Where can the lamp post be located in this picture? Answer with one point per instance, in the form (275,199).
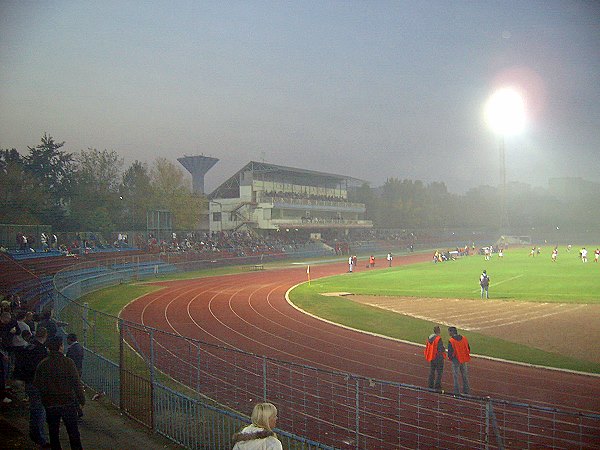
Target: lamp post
(505,114)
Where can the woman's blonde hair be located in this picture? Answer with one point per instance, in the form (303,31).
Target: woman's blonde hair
(262,414)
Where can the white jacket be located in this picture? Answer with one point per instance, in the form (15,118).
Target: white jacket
(255,438)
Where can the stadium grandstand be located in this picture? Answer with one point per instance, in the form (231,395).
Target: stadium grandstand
(267,198)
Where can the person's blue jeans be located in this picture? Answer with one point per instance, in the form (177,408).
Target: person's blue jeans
(68,414)
(463,371)
(37,415)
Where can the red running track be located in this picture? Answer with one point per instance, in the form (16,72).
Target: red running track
(249,312)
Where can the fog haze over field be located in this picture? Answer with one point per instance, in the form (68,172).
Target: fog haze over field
(368,89)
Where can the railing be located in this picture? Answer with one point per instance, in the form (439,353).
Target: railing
(311,202)
(315,221)
(195,392)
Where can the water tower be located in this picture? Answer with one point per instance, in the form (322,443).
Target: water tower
(198,166)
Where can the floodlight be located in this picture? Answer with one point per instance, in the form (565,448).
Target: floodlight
(505,112)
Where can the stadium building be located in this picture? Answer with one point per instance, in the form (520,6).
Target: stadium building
(265,197)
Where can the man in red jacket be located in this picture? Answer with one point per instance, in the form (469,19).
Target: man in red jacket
(459,353)
(435,354)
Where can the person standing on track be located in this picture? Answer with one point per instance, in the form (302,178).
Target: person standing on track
(389,259)
(350,264)
(435,354)
(459,352)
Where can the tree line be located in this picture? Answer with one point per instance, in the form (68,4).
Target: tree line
(413,204)
(93,191)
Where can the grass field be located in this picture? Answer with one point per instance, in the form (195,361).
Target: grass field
(517,276)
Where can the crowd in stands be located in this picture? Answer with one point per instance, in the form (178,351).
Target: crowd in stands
(25,339)
(230,243)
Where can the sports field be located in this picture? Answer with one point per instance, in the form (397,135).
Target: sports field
(539,312)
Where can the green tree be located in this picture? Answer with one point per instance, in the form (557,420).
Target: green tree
(20,195)
(172,191)
(136,195)
(51,170)
(95,203)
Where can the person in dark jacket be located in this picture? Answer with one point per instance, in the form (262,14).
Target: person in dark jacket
(31,356)
(50,324)
(435,354)
(7,325)
(75,351)
(60,386)
(459,352)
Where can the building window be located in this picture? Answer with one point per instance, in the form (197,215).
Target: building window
(216,217)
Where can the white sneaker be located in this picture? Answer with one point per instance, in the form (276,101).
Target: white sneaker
(6,400)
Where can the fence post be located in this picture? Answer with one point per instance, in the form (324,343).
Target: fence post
(264,361)
(357,413)
(198,368)
(487,423)
(85,325)
(94,338)
(492,425)
(152,364)
(121,363)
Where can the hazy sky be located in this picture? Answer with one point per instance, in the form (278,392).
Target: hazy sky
(370,89)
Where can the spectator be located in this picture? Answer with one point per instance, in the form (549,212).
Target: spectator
(60,387)
(259,435)
(30,321)
(6,323)
(435,354)
(18,341)
(459,353)
(25,369)
(75,351)
(50,324)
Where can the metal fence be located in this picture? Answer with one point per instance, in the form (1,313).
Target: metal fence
(193,392)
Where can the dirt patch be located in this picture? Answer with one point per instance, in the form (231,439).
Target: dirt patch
(564,328)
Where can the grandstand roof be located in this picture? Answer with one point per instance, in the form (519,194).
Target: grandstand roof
(230,188)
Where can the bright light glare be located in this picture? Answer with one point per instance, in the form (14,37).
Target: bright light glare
(505,112)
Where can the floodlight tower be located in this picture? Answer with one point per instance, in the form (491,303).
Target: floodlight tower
(198,166)
(505,114)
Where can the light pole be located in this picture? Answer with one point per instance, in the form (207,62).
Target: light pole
(505,114)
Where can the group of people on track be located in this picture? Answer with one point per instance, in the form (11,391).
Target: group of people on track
(459,354)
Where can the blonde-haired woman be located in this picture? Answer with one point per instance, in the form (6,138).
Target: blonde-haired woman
(259,435)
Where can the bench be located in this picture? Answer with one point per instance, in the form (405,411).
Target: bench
(258,267)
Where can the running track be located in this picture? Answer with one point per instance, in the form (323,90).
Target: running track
(249,312)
